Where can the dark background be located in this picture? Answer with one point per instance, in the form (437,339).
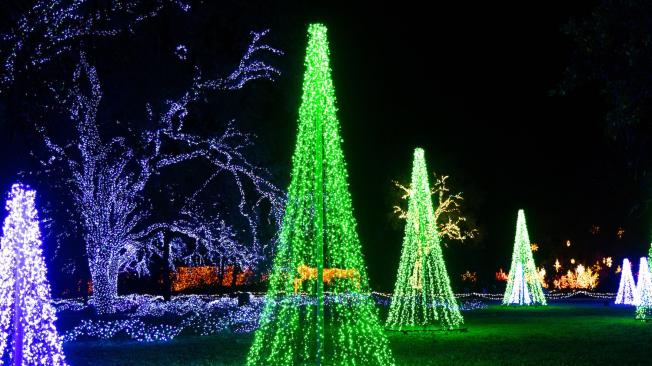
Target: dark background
(473,84)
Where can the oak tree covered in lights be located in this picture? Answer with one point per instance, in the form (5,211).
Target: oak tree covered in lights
(422,294)
(104,167)
(644,289)
(319,250)
(627,293)
(523,283)
(27,332)
(107,178)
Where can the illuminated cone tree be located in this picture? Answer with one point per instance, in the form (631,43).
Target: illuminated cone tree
(627,293)
(644,290)
(523,282)
(27,332)
(319,250)
(422,294)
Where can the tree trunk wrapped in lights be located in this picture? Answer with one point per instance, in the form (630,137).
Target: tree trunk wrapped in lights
(319,249)
(627,293)
(523,272)
(644,290)
(26,315)
(423,294)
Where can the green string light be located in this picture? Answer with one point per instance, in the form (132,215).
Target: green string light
(422,295)
(319,249)
(523,284)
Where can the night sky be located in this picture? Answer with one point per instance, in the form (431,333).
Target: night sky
(472,85)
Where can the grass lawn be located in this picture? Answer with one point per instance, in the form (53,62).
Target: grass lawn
(564,333)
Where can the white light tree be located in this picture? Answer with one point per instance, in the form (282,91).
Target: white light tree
(627,293)
(28,335)
(107,178)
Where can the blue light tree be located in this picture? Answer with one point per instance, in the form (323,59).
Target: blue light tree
(26,314)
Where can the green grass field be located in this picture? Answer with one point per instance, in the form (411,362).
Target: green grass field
(573,333)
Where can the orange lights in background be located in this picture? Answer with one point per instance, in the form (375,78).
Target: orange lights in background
(192,277)
(471,277)
(310,273)
(542,277)
(582,278)
(620,233)
(607,261)
(534,247)
(188,278)
(501,275)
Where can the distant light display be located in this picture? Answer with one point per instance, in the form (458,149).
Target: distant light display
(470,277)
(501,275)
(607,261)
(580,278)
(620,233)
(523,285)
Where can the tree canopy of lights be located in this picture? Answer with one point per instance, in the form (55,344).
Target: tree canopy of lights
(449,218)
(107,179)
(26,314)
(523,274)
(422,294)
(319,249)
(627,293)
(52,28)
(644,290)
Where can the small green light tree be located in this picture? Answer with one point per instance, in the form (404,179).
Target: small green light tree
(523,284)
(644,288)
(422,294)
(319,248)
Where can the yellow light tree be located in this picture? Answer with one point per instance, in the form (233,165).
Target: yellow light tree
(451,222)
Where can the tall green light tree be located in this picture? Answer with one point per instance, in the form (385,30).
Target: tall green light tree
(422,294)
(523,276)
(319,250)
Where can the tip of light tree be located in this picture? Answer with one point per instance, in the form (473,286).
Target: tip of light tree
(317,29)
(418,152)
(21,189)
(19,192)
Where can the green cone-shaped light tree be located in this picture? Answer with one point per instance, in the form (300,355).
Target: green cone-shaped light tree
(319,250)
(422,295)
(523,284)
(644,288)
